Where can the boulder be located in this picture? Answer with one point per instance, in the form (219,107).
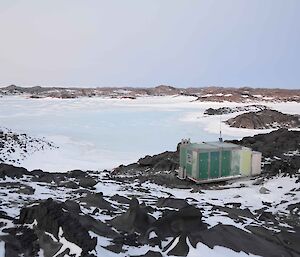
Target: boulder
(51,216)
(135,219)
(265,119)
(12,171)
(264,190)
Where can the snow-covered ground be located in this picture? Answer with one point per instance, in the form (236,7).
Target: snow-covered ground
(250,198)
(102,133)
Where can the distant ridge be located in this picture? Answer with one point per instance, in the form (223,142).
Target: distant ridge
(211,93)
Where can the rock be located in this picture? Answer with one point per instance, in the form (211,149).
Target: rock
(265,119)
(166,161)
(45,241)
(171,203)
(235,213)
(226,110)
(282,143)
(267,216)
(51,216)
(71,206)
(20,241)
(135,219)
(70,184)
(149,254)
(239,240)
(96,200)
(180,249)
(87,182)
(120,199)
(163,161)
(18,188)
(264,190)
(12,171)
(287,241)
(259,181)
(76,174)
(173,223)
(27,190)
(15,148)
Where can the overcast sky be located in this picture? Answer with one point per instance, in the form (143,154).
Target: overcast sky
(150,42)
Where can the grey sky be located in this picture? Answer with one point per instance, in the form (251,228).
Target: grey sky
(150,42)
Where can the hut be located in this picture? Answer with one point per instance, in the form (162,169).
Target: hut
(215,161)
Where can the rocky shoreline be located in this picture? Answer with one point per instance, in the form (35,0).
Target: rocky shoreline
(15,147)
(143,209)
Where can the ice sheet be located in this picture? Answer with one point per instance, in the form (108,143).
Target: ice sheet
(102,133)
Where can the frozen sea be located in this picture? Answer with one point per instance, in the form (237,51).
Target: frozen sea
(102,133)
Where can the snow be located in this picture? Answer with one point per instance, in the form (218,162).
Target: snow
(110,189)
(249,196)
(82,128)
(217,251)
(74,249)
(122,91)
(2,249)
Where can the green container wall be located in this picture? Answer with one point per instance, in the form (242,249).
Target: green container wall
(235,162)
(203,165)
(189,165)
(210,165)
(195,169)
(214,164)
(226,163)
(182,157)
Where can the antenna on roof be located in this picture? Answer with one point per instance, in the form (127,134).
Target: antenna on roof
(220,138)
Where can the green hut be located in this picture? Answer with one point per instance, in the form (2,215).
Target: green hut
(212,161)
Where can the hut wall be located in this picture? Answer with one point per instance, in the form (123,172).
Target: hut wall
(245,161)
(256,163)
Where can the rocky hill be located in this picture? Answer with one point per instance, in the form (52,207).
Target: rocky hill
(215,94)
(265,119)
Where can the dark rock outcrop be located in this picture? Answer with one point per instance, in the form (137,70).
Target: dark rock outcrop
(239,240)
(51,216)
(96,200)
(185,221)
(226,110)
(20,241)
(135,219)
(11,171)
(283,144)
(266,119)
(171,202)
